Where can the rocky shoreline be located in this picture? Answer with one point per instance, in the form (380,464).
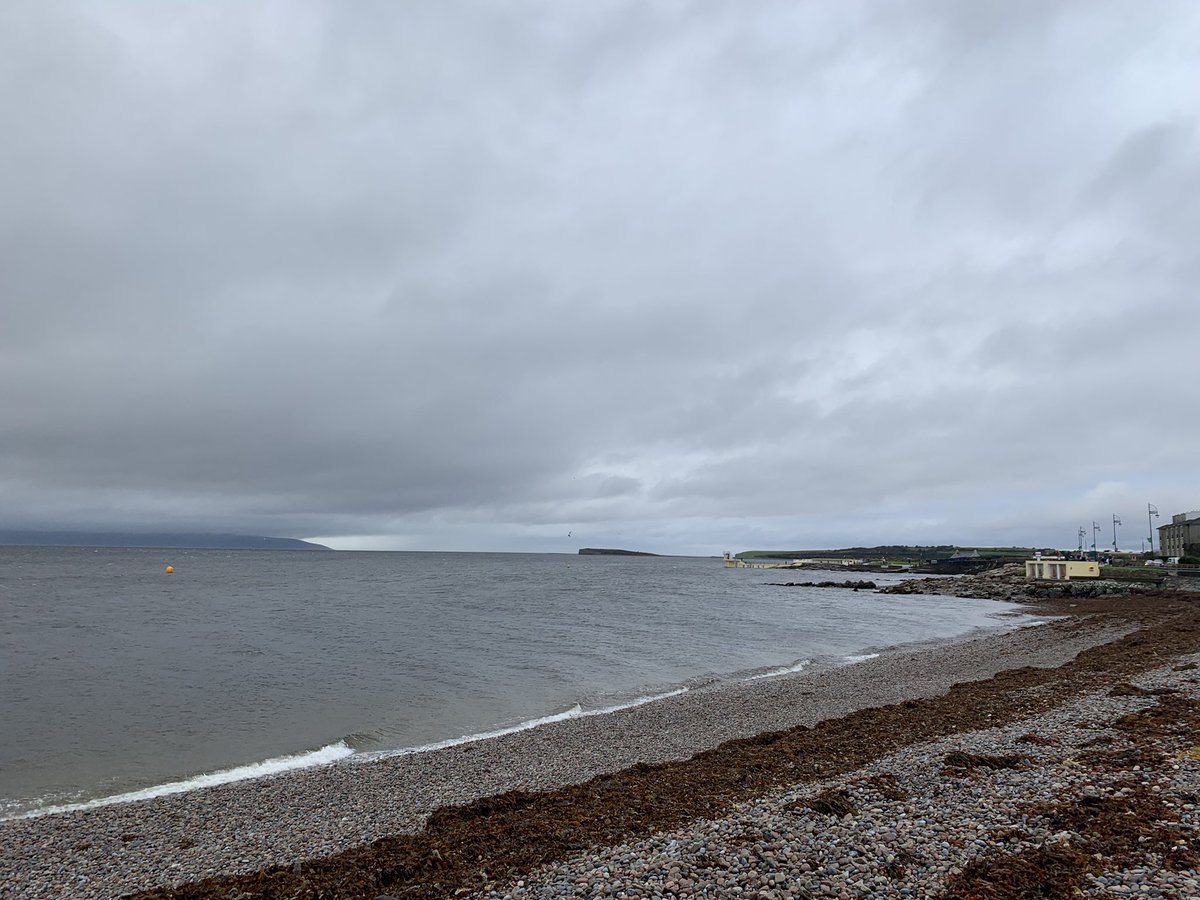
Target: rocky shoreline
(485,816)
(1010,585)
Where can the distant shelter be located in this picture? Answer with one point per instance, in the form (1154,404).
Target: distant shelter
(1058,568)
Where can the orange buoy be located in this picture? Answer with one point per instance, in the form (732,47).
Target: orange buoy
(170,569)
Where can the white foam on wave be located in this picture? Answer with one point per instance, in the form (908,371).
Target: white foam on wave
(797,666)
(324,756)
(575,712)
(851,660)
(1026,620)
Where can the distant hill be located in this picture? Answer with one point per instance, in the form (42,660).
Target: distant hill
(11,537)
(893,551)
(595,551)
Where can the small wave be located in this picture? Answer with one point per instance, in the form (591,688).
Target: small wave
(323,756)
(797,666)
(852,659)
(1019,619)
(575,712)
(702,681)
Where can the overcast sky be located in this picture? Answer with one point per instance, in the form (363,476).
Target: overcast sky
(674,276)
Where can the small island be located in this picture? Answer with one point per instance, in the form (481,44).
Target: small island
(597,551)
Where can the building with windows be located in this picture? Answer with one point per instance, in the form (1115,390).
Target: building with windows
(1182,532)
(1058,568)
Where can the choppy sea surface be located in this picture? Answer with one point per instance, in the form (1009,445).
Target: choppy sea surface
(118,680)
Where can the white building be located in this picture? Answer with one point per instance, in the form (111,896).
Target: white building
(1184,530)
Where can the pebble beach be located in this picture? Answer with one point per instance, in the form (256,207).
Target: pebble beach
(906,823)
(912,823)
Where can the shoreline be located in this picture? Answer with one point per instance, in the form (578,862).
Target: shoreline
(296,818)
(341,752)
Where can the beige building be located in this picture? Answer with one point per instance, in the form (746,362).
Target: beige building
(1173,539)
(1057,568)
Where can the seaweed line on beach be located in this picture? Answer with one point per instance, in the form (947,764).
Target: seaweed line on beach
(494,840)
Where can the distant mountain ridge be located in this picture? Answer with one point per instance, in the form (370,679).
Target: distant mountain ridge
(177,541)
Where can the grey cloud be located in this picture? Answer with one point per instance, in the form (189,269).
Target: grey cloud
(700,275)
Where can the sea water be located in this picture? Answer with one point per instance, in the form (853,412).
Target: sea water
(119,680)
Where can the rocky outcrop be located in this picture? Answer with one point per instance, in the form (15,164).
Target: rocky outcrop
(849,585)
(1015,589)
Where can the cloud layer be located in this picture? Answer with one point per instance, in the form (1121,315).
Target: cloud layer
(681,276)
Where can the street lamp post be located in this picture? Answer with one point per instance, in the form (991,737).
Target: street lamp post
(1151,515)
(1095,531)
(1116,522)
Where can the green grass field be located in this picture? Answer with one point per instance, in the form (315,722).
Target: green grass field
(895,552)
(1133,573)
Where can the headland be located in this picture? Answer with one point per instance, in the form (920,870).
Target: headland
(601,551)
(154,540)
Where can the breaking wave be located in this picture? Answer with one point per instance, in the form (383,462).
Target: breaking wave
(321,757)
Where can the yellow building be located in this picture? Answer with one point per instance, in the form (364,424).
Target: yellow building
(1056,568)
